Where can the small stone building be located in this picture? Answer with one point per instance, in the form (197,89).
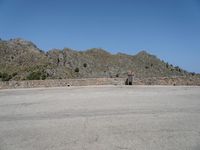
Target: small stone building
(130,78)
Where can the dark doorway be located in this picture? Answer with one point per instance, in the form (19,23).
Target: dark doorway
(129,80)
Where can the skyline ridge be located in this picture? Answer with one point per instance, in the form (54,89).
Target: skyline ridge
(111,52)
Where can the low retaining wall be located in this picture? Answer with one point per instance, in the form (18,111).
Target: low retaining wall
(181,80)
(99,81)
(61,82)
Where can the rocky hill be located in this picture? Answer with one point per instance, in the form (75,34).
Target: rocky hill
(22,60)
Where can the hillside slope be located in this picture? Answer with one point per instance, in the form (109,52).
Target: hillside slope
(21,60)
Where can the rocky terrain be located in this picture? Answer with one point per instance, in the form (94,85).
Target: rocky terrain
(23,60)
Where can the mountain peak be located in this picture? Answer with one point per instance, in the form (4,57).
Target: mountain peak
(143,52)
(98,51)
(23,44)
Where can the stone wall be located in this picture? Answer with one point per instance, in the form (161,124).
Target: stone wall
(181,80)
(61,82)
(99,81)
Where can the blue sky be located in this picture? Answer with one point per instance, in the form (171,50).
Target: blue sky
(169,29)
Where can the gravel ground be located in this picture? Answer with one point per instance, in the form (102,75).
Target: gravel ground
(100,118)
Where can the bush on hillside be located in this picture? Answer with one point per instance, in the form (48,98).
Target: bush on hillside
(178,69)
(44,76)
(14,74)
(34,76)
(85,65)
(167,65)
(76,70)
(5,77)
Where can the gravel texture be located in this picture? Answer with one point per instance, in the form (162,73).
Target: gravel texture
(100,118)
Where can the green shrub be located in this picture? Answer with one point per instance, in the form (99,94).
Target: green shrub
(85,65)
(76,70)
(44,76)
(178,69)
(167,65)
(14,74)
(6,77)
(34,76)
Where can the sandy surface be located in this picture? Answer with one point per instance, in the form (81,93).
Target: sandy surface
(100,118)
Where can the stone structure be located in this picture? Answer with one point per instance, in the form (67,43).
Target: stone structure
(61,82)
(100,81)
(130,78)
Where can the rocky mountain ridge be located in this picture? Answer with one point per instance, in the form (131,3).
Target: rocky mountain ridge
(23,60)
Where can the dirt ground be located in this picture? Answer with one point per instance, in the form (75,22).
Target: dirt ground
(100,118)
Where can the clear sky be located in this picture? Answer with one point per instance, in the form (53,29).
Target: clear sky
(169,29)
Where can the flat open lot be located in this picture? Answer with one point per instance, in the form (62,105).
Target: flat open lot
(100,118)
